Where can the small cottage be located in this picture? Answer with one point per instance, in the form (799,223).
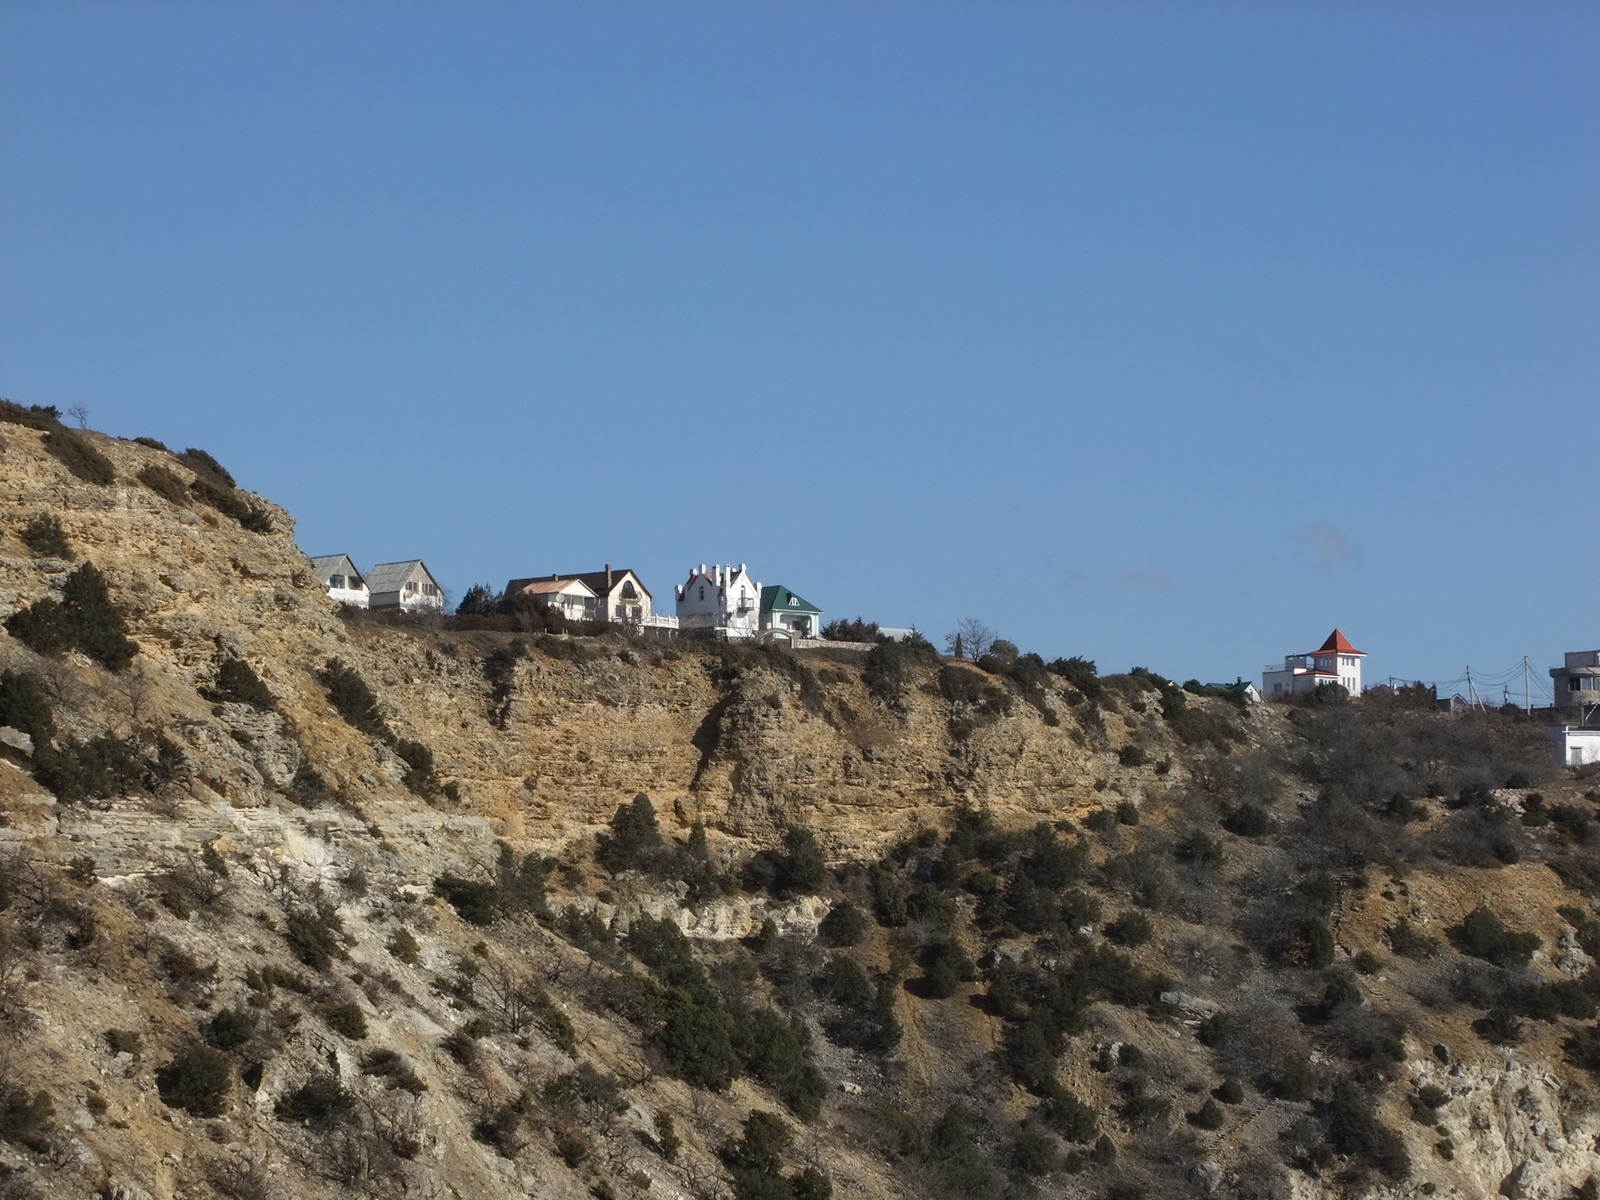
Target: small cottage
(408,586)
(338,574)
(565,594)
(784,612)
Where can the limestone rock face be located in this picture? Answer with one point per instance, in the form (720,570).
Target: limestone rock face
(140,931)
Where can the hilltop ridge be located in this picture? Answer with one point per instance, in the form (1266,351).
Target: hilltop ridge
(297,900)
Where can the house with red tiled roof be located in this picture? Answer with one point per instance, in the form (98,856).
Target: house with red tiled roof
(1336,661)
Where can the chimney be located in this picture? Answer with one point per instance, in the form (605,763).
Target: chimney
(554,577)
(608,577)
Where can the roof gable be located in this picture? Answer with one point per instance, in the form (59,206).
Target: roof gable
(775,598)
(337,564)
(552,587)
(389,577)
(596,580)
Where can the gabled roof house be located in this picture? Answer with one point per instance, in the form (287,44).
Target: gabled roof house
(568,595)
(623,595)
(344,583)
(784,612)
(408,586)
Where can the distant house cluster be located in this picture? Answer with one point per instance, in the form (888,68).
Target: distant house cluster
(721,602)
(400,586)
(727,603)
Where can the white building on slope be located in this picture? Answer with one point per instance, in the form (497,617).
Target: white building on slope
(1336,661)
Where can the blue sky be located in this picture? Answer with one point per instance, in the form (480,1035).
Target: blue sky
(1165,334)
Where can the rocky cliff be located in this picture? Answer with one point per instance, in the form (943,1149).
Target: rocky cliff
(262,941)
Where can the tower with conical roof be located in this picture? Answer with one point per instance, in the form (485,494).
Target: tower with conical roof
(1336,661)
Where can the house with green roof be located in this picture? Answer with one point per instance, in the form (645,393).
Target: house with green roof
(783,611)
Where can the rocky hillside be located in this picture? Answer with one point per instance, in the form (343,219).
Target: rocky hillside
(297,903)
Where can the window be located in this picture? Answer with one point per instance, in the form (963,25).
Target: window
(336,581)
(702,592)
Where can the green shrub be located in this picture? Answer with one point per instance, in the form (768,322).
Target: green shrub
(203,464)
(1248,820)
(309,788)
(124,1041)
(394,1069)
(1209,1116)
(404,946)
(1406,940)
(75,453)
(795,870)
(314,936)
(45,537)
(1081,673)
(1034,1152)
(35,416)
(24,708)
(353,699)
(83,619)
(889,668)
(1068,1115)
(889,896)
(231,1028)
(776,1052)
(347,1020)
(1199,849)
(1229,1091)
(945,967)
(238,683)
(1132,755)
(97,769)
(845,925)
(1132,928)
(321,1101)
(668,1143)
(695,1041)
(166,485)
(196,1080)
(24,1118)
(420,777)
(635,840)
(755,1162)
(475,902)
(151,442)
(1356,1130)
(1484,935)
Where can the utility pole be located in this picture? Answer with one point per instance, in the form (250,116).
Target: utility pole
(1527,702)
(1472,692)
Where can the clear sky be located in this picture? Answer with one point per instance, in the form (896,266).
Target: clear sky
(1165,334)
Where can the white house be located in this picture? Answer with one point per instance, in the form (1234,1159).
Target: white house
(568,595)
(338,574)
(408,586)
(723,602)
(784,612)
(1336,661)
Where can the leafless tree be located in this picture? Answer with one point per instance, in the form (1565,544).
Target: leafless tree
(508,998)
(80,414)
(135,687)
(971,639)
